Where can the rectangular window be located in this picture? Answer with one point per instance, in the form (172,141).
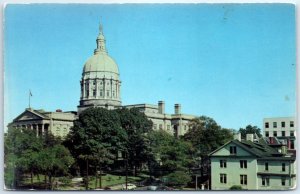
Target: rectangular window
(266,166)
(275,133)
(283,167)
(283,133)
(292,144)
(223,163)
(291,123)
(283,181)
(266,124)
(232,149)
(267,133)
(265,181)
(243,179)
(283,124)
(274,124)
(243,163)
(107,93)
(223,178)
(101,92)
(160,126)
(292,134)
(94,93)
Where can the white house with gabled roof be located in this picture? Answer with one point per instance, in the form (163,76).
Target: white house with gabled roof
(253,164)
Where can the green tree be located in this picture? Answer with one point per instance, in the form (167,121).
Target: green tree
(27,153)
(55,161)
(206,135)
(136,125)
(178,179)
(250,130)
(95,128)
(101,155)
(21,148)
(170,154)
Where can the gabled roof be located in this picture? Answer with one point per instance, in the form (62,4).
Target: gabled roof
(259,149)
(31,114)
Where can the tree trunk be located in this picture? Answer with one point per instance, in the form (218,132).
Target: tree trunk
(50,182)
(135,170)
(96,178)
(100,179)
(126,179)
(87,175)
(31,179)
(45,181)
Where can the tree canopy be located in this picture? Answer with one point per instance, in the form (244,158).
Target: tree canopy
(250,130)
(206,135)
(170,154)
(24,152)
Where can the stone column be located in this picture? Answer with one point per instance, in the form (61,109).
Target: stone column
(104,88)
(43,129)
(37,130)
(83,89)
(97,88)
(111,88)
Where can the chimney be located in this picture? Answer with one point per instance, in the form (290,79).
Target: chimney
(161,107)
(238,136)
(271,140)
(177,109)
(249,137)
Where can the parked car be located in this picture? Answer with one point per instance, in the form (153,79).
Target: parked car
(152,188)
(159,188)
(130,186)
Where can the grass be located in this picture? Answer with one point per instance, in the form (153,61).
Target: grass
(107,180)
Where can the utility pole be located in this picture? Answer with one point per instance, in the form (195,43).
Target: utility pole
(126,166)
(196,188)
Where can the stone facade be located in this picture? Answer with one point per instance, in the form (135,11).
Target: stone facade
(58,123)
(176,124)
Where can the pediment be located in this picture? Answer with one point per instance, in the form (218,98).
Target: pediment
(27,115)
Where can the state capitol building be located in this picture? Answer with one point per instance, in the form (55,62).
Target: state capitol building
(100,87)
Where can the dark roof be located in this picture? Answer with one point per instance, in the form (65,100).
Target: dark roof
(260,149)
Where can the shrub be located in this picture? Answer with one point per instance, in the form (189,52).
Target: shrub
(178,178)
(236,187)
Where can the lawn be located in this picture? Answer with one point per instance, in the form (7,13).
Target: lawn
(107,180)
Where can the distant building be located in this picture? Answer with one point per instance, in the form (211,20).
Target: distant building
(283,128)
(176,124)
(101,87)
(253,164)
(58,123)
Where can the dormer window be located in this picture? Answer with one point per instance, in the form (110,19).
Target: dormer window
(232,149)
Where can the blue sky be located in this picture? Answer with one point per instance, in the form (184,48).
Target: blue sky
(235,63)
